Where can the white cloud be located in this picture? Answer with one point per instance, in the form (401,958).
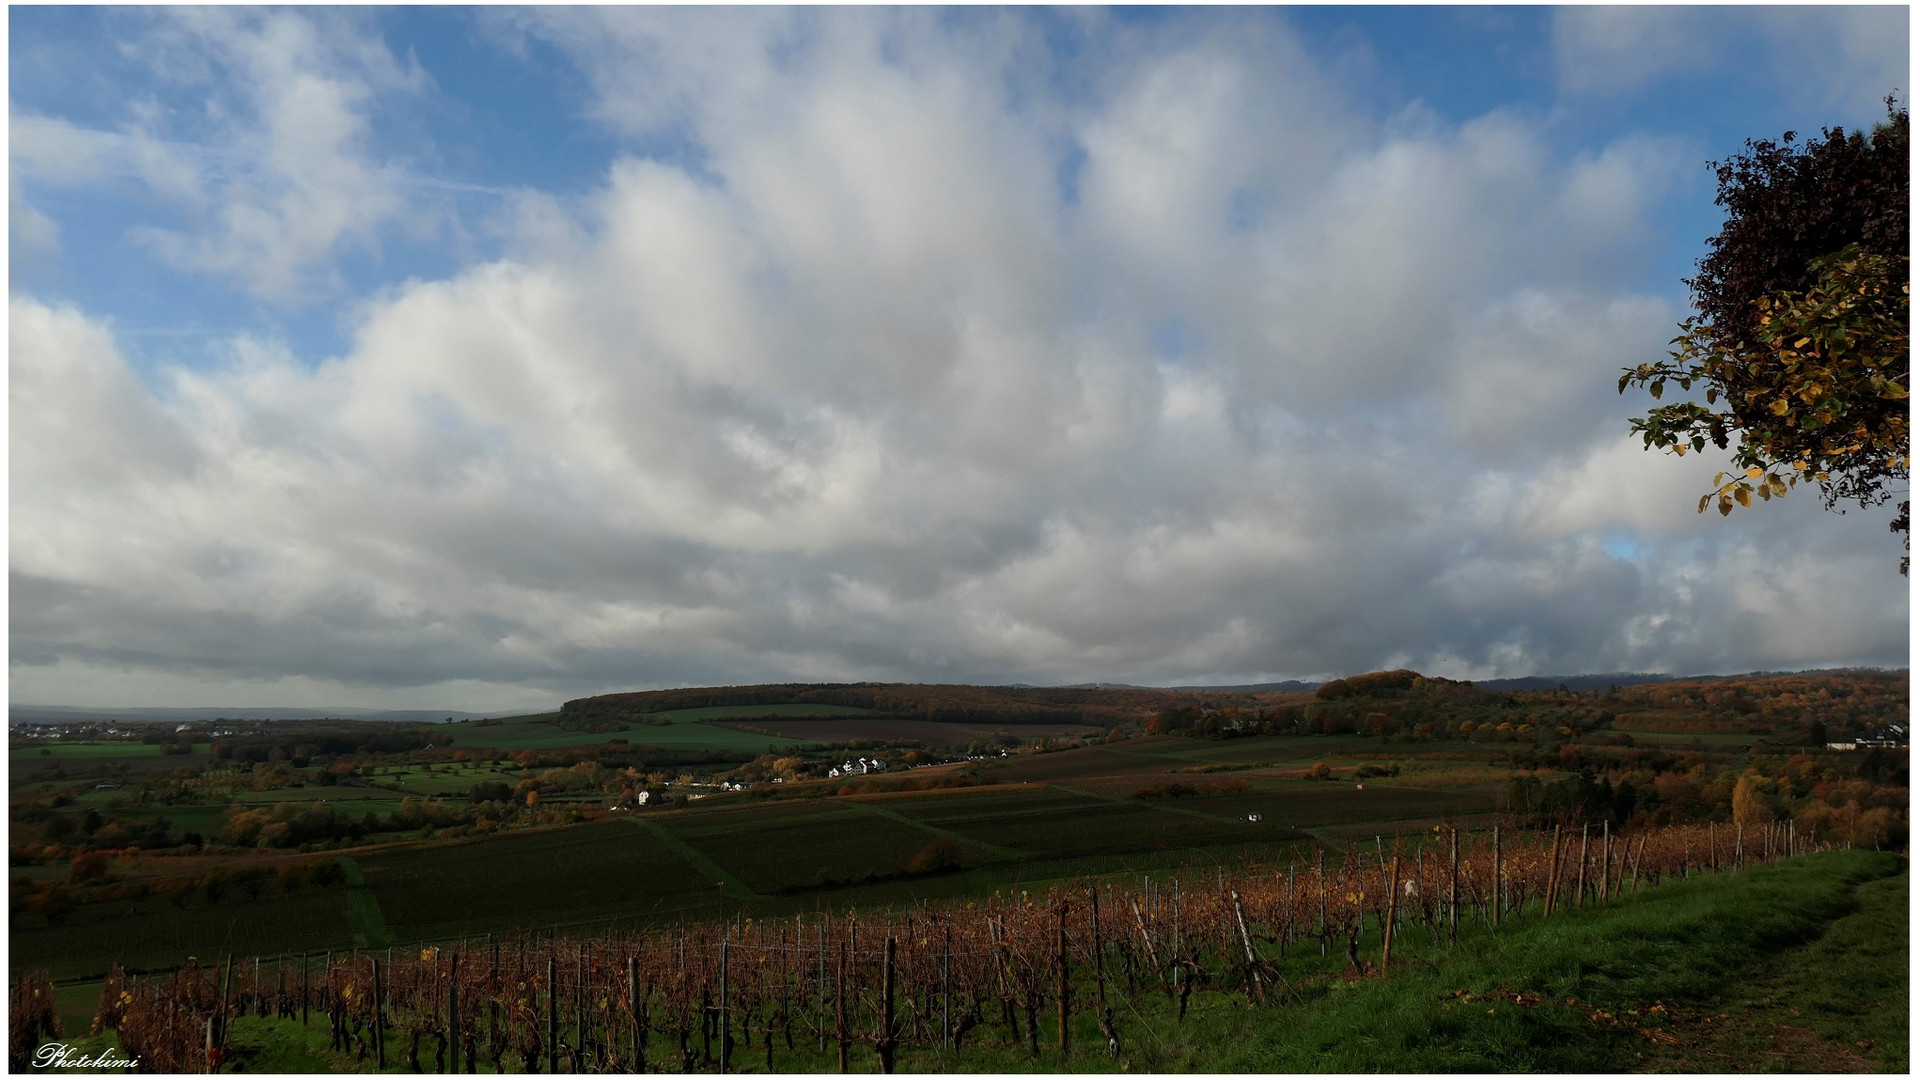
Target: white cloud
(1842,58)
(275,171)
(865,394)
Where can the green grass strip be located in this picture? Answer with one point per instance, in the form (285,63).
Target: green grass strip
(733,885)
(369,923)
(1165,806)
(1000,854)
(1567,994)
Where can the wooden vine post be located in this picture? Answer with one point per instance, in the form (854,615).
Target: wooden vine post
(1246,943)
(1453,887)
(633,1014)
(553,1019)
(1553,875)
(1606,857)
(453,1014)
(840,1005)
(720,1012)
(379,1024)
(1386,929)
(1499,877)
(1320,886)
(887,1042)
(1062,987)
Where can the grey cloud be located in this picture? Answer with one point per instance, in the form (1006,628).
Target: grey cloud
(867,395)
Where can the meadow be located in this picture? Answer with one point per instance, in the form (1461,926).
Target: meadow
(449,833)
(540,732)
(782,855)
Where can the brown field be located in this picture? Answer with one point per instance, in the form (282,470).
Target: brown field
(898,729)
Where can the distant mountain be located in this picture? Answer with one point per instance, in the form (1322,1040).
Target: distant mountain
(67,714)
(1601,682)
(1577,682)
(1257,688)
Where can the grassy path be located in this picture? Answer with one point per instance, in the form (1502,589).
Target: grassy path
(1838,1004)
(363,908)
(733,885)
(1000,854)
(1628,985)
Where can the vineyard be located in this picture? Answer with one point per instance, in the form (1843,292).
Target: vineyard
(1018,972)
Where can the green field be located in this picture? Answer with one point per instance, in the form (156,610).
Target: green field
(768,853)
(586,875)
(754,712)
(153,933)
(538,732)
(1796,967)
(53,751)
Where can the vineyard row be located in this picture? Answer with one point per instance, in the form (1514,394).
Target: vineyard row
(1010,969)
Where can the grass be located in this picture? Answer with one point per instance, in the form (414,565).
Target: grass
(538,732)
(54,751)
(1707,974)
(755,712)
(364,916)
(594,874)
(1600,989)
(1848,989)
(155,934)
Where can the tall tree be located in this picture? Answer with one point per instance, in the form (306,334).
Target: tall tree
(1800,333)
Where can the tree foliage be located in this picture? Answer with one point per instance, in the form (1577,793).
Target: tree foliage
(1801,334)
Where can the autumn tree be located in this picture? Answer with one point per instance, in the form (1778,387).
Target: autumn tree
(1800,334)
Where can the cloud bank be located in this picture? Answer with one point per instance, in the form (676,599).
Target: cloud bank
(906,363)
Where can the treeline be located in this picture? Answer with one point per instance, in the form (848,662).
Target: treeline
(305,743)
(1795,710)
(92,882)
(1101,706)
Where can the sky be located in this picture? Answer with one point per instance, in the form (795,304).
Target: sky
(484,358)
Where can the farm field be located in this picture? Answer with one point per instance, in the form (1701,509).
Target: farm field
(774,857)
(539,732)
(793,710)
(155,933)
(106,749)
(595,874)
(894,728)
(412,860)
(1682,973)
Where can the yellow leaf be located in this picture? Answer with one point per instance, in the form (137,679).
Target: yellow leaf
(1754,472)
(1780,407)
(1778,485)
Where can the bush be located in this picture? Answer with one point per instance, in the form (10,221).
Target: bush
(938,855)
(89,866)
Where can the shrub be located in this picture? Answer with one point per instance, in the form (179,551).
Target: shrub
(938,855)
